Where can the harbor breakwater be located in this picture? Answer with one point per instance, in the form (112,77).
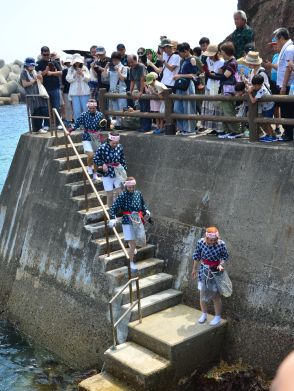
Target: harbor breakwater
(54,286)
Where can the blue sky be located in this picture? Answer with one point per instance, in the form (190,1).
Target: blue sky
(72,24)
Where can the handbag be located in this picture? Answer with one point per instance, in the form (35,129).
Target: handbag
(139,230)
(42,90)
(182,84)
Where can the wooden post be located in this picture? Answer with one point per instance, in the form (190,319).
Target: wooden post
(29,114)
(170,128)
(102,100)
(253,126)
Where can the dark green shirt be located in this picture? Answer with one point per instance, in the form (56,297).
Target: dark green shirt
(240,37)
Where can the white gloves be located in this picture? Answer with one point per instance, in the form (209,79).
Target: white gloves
(112,223)
(148,213)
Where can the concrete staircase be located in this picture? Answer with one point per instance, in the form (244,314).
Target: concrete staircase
(169,344)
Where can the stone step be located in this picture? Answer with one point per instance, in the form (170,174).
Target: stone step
(155,303)
(60,150)
(176,335)
(149,286)
(138,366)
(147,267)
(103,382)
(73,161)
(97,229)
(117,259)
(93,215)
(76,137)
(74,175)
(92,200)
(113,243)
(77,188)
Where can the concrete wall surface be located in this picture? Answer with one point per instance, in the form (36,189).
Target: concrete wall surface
(245,190)
(53,287)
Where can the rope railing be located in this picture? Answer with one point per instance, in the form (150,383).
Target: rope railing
(105,212)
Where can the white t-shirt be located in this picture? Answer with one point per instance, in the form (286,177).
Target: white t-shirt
(264,106)
(167,75)
(286,54)
(214,66)
(260,71)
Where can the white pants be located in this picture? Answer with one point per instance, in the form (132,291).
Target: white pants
(128,231)
(110,183)
(87,146)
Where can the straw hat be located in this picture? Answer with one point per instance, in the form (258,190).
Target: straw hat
(211,50)
(253,58)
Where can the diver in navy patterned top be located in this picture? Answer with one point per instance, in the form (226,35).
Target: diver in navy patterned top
(129,201)
(91,122)
(212,254)
(108,157)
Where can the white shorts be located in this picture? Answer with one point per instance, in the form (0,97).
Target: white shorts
(87,146)
(110,183)
(128,231)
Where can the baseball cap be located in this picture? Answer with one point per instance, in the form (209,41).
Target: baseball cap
(100,50)
(165,42)
(29,62)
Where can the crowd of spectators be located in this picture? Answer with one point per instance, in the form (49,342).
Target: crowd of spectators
(232,67)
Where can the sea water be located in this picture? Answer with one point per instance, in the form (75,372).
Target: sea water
(24,366)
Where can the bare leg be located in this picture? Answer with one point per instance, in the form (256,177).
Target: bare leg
(109,195)
(203,307)
(217,302)
(132,248)
(90,159)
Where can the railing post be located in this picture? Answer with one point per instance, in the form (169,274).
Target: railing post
(29,115)
(253,126)
(130,277)
(170,128)
(139,300)
(102,100)
(114,336)
(106,233)
(85,192)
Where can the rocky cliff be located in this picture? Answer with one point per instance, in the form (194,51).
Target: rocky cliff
(264,16)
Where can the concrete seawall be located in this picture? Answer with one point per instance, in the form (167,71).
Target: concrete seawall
(53,286)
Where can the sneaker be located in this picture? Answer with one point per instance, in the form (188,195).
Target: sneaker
(202,318)
(278,130)
(90,170)
(216,320)
(223,135)
(42,131)
(284,139)
(213,133)
(232,136)
(59,127)
(46,128)
(202,130)
(157,131)
(246,134)
(268,139)
(133,266)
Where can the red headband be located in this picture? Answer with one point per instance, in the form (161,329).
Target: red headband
(92,104)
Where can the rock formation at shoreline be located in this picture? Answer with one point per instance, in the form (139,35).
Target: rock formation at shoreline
(9,86)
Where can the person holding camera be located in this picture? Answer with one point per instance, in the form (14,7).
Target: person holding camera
(78,76)
(118,74)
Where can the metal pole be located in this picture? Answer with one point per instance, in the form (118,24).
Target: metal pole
(106,233)
(29,115)
(85,192)
(130,277)
(114,336)
(139,300)
(67,153)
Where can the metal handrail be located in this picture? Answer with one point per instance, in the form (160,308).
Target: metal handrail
(49,117)
(106,215)
(114,325)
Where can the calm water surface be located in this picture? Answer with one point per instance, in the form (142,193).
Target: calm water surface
(23,366)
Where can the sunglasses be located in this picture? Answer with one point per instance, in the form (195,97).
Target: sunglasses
(46,54)
(140,53)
